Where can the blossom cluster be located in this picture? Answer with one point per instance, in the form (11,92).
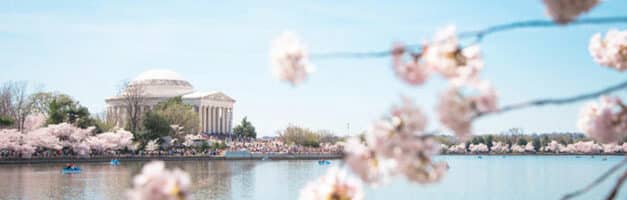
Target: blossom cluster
(64,135)
(396,145)
(610,51)
(580,147)
(565,11)
(290,59)
(605,121)
(467,95)
(336,184)
(443,55)
(478,148)
(155,182)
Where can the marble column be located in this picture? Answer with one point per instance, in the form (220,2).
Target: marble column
(213,119)
(206,121)
(222,119)
(201,117)
(229,126)
(229,121)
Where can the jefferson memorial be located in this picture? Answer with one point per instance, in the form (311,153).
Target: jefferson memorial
(215,109)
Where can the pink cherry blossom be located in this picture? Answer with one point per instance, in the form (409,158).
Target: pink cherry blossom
(554,146)
(398,142)
(610,51)
(486,101)
(565,11)
(34,121)
(612,148)
(152,145)
(290,58)
(499,147)
(365,163)
(605,121)
(517,148)
(444,55)
(413,72)
(155,182)
(10,139)
(529,147)
(459,148)
(478,148)
(43,137)
(335,184)
(456,109)
(456,112)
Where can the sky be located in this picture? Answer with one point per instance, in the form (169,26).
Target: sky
(87,48)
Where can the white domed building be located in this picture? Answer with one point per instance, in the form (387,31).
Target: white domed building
(215,109)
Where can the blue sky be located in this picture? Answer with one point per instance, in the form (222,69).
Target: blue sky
(86,48)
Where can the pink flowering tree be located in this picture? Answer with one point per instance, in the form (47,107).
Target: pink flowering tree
(398,144)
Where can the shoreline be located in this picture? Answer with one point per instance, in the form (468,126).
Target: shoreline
(169,158)
(248,157)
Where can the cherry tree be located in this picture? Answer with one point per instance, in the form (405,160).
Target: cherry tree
(155,182)
(401,138)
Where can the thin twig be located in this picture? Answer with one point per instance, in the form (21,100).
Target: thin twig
(616,188)
(596,181)
(555,101)
(479,35)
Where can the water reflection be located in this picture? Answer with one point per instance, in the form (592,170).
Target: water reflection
(493,177)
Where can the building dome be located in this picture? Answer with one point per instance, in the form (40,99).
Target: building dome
(162,83)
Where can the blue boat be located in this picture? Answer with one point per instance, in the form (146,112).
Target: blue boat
(73,170)
(114,162)
(324,162)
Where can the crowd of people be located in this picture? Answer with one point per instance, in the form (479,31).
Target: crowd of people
(275,145)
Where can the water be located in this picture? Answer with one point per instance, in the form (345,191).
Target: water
(492,177)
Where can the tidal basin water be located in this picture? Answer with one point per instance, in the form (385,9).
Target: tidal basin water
(469,177)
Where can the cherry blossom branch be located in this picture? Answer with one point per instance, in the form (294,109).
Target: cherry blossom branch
(596,181)
(555,101)
(479,35)
(616,188)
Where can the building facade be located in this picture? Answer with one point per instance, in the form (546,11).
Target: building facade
(215,109)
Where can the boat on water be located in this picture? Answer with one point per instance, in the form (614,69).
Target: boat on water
(71,170)
(114,162)
(324,162)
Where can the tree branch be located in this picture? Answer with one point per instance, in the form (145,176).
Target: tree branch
(555,101)
(596,181)
(616,188)
(479,35)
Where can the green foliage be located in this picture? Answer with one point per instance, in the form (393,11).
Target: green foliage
(306,137)
(155,127)
(217,145)
(489,141)
(245,129)
(204,145)
(102,125)
(522,142)
(536,143)
(477,140)
(6,121)
(40,101)
(62,108)
(174,111)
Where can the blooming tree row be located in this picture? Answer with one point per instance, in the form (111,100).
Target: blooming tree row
(398,144)
(581,147)
(64,135)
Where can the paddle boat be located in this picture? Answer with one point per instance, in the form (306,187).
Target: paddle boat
(114,162)
(71,170)
(324,162)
